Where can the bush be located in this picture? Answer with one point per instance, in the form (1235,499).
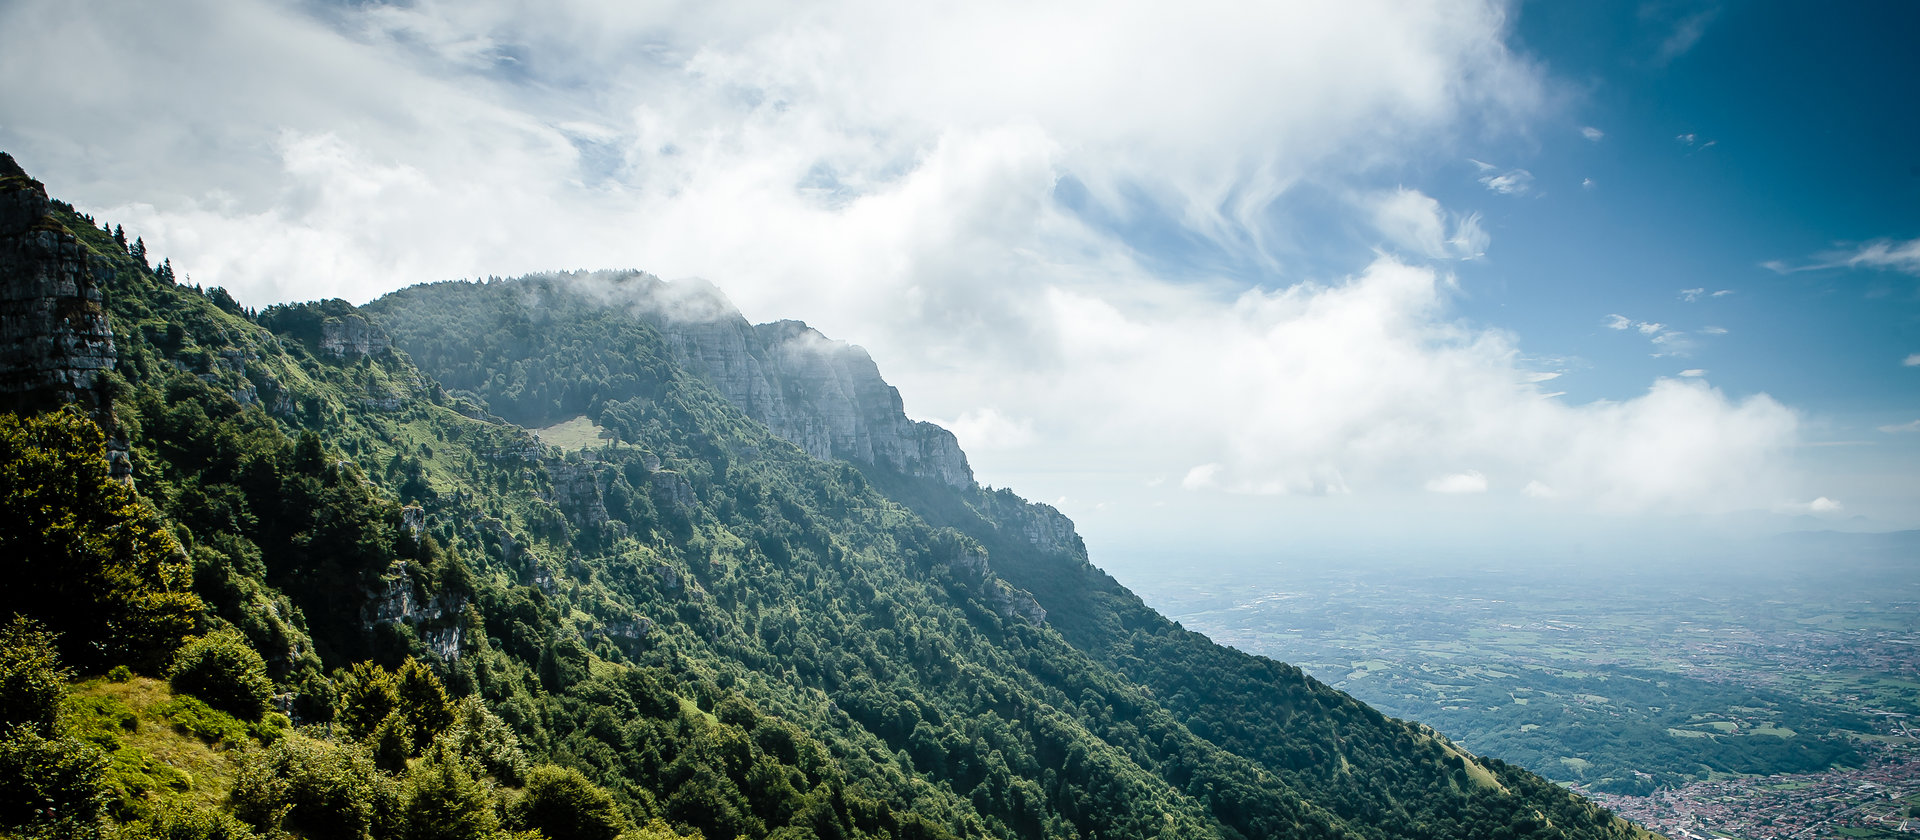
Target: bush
(318,790)
(50,786)
(178,823)
(32,682)
(223,671)
(563,805)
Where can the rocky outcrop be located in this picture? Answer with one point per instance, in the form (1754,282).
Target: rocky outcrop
(577,492)
(825,396)
(351,336)
(54,335)
(435,620)
(968,562)
(1050,530)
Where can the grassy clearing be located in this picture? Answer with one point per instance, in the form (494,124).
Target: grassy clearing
(164,746)
(578,433)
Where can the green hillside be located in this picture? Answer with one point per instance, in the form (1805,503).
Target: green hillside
(676,622)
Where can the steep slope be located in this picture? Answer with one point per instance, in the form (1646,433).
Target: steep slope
(1235,734)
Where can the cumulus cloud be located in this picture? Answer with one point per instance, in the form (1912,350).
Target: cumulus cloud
(1591,133)
(1821,506)
(1471,481)
(891,174)
(1362,384)
(985,429)
(1693,373)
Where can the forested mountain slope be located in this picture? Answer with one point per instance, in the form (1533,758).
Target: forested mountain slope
(764,604)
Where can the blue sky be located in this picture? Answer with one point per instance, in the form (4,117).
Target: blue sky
(1374,274)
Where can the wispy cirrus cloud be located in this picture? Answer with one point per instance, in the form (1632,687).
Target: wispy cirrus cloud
(1880,254)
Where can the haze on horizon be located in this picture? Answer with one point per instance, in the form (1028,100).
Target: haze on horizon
(1455,276)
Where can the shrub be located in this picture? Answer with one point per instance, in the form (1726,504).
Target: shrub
(32,682)
(563,805)
(223,671)
(318,790)
(50,786)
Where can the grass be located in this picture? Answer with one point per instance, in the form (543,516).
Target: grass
(163,746)
(578,433)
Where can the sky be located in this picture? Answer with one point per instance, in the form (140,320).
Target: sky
(1213,278)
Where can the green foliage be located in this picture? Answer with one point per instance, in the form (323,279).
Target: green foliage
(50,786)
(81,553)
(562,804)
(423,702)
(221,669)
(179,822)
(320,790)
(444,799)
(368,695)
(32,681)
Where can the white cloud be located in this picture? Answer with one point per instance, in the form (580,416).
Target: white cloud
(1693,373)
(1687,139)
(1900,428)
(1471,481)
(1201,476)
(1586,183)
(1510,182)
(1417,224)
(1618,322)
(1912,360)
(1885,254)
(985,429)
(1710,330)
(1647,328)
(1882,253)
(1592,133)
(1536,490)
(1818,507)
(1723,293)
(1691,295)
(888,172)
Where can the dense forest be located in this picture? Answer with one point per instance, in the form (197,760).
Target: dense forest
(305,571)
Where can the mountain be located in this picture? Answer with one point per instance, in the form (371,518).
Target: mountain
(607,528)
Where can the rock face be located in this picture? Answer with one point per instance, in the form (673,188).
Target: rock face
(825,396)
(54,335)
(352,336)
(396,599)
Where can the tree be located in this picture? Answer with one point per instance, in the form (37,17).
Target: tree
(563,805)
(423,701)
(32,682)
(82,553)
(50,784)
(445,800)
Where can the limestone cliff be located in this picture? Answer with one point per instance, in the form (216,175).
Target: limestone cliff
(54,335)
(825,396)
